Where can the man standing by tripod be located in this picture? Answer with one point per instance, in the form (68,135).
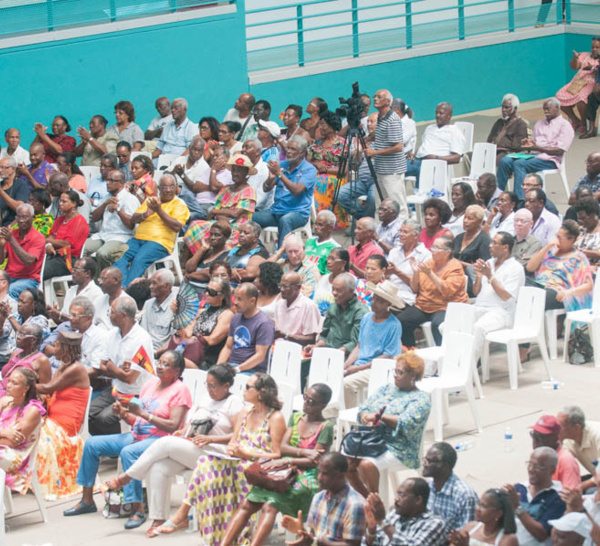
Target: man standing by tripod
(385,148)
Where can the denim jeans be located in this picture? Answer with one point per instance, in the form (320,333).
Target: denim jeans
(413,168)
(18,285)
(113,445)
(285,223)
(349,194)
(138,258)
(520,168)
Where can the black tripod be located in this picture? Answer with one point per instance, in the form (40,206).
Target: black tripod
(350,162)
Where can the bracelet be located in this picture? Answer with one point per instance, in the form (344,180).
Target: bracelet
(150,418)
(371,535)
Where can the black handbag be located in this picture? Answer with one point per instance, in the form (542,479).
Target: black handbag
(364,441)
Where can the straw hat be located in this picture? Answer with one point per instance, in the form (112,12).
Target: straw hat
(243,161)
(388,291)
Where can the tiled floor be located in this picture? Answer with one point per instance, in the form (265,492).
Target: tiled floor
(485,465)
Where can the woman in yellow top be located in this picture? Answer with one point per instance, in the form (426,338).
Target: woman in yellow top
(436,283)
(160,219)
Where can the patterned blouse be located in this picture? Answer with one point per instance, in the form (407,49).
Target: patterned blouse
(330,156)
(146,184)
(230,198)
(412,409)
(565,272)
(43,223)
(589,241)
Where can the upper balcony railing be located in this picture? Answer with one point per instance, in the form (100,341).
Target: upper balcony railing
(21,17)
(293,34)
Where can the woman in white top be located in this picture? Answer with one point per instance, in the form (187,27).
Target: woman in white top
(175,454)
(462,197)
(338,262)
(409,127)
(495,523)
(502,216)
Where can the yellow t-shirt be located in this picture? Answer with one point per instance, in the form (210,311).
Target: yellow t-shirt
(154,229)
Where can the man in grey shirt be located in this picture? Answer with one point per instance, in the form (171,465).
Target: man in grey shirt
(157,316)
(526,245)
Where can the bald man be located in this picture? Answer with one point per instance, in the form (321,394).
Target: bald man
(12,137)
(39,171)
(243,113)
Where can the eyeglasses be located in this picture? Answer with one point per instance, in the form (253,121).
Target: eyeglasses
(204,128)
(311,401)
(248,387)
(213,293)
(286,286)
(400,373)
(113,179)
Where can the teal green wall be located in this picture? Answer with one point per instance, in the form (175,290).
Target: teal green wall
(202,60)
(472,79)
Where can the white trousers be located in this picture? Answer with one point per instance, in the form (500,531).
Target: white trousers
(354,386)
(393,187)
(488,320)
(158,464)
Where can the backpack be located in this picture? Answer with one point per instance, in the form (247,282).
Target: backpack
(580,348)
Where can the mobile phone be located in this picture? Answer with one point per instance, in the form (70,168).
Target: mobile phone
(378,415)
(135,401)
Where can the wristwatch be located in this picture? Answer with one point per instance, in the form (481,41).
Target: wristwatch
(520,510)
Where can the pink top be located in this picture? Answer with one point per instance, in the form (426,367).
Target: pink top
(427,240)
(360,255)
(16,362)
(556,133)
(302,317)
(159,403)
(567,471)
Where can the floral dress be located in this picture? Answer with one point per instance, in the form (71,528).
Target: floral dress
(15,461)
(228,198)
(300,495)
(218,485)
(569,99)
(325,186)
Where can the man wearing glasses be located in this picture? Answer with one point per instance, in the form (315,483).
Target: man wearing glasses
(110,243)
(13,191)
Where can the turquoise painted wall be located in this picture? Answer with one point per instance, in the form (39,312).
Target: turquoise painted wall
(202,60)
(472,79)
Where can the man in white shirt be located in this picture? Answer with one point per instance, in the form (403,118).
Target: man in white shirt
(155,129)
(157,316)
(126,345)
(497,284)
(242,112)
(253,148)
(545,224)
(93,341)
(109,243)
(402,259)
(440,141)
(110,280)
(12,137)
(84,272)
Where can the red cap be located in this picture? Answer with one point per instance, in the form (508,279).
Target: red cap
(547,424)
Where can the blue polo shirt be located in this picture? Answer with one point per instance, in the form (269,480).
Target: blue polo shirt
(286,201)
(378,339)
(176,140)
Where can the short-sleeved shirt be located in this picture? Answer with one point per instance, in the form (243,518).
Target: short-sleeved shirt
(131,134)
(430,299)
(93,342)
(247,333)
(159,123)
(359,254)
(91,291)
(309,275)
(478,248)
(154,229)
(567,471)
(285,200)
(388,133)
(389,234)
(341,326)
(442,141)
(21,155)
(525,249)
(455,502)
(546,505)
(157,319)
(102,307)
(555,133)
(177,139)
(66,142)
(586,182)
(511,276)
(19,191)
(588,452)
(339,517)
(319,252)
(302,317)
(113,228)
(401,260)
(209,197)
(424,530)
(75,231)
(376,339)
(33,243)
(159,402)
(93,157)
(39,174)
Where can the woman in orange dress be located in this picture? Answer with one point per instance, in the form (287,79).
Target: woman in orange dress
(60,448)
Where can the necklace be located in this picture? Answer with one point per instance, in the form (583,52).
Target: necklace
(490,535)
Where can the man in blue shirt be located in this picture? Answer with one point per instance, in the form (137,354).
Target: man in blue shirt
(379,337)
(294,182)
(178,134)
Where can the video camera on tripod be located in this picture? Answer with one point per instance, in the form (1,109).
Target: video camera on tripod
(351,108)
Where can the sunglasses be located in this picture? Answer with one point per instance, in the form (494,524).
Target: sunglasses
(311,401)
(213,293)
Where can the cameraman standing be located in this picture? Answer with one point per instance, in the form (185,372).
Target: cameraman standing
(386,150)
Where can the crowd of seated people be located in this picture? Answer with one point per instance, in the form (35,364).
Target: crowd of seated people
(170,272)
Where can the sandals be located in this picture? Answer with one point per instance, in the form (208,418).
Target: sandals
(151,532)
(167,528)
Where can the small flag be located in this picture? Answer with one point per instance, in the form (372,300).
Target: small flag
(123,399)
(65,252)
(142,359)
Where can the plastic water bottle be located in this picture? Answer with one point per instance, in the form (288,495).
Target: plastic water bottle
(508,440)
(552,385)
(180,348)
(464,445)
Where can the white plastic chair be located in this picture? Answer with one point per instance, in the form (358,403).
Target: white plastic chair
(457,375)
(528,327)
(591,317)
(551,318)
(164,160)
(270,234)
(483,159)
(35,486)
(434,175)
(84,432)
(562,172)
(50,286)
(194,380)
(382,373)
(286,364)
(90,173)
(467,128)
(239,385)
(171,260)
(286,395)
(135,154)
(460,317)
(326,366)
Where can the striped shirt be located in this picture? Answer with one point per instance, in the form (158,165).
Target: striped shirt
(387,134)
(339,517)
